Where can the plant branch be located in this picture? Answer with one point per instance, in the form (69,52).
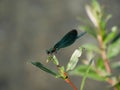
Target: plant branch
(85,76)
(69,81)
(104,57)
(66,78)
(103,54)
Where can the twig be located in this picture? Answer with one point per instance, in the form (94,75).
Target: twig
(69,81)
(104,57)
(85,76)
(103,54)
(66,78)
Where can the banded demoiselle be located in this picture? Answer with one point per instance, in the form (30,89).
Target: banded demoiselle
(67,40)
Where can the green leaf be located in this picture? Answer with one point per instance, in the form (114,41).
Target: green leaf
(111,35)
(108,17)
(100,64)
(74,59)
(116,38)
(61,71)
(91,47)
(55,60)
(113,49)
(91,12)
(95,13)
(42,67)
(116,65)
(117,85)
(80,70)
(103,24)
(96,5)
(103,27)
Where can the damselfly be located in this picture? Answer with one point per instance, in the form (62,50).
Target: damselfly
(67,40)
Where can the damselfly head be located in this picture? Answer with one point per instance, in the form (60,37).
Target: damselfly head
(51,51)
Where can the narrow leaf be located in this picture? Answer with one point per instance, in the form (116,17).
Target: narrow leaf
(100,64)
(91,47)
(110,36)
(108,17)
(42,67)
(91,14)
(117,85)
(55,60)
(116,65)
(116,38)
(80,71)
(113,49)
(74,59)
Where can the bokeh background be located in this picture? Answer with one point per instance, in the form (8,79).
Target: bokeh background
(29,27)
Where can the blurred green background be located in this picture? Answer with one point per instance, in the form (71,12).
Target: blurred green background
(29,27)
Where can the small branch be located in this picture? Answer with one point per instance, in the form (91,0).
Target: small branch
(85,76)
(66,78)
(103,54)
(69,81)
(104,57)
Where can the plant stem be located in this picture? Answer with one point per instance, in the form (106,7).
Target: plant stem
(103,54)
(85,77)
(69,82)
(104,57)
(66,78)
